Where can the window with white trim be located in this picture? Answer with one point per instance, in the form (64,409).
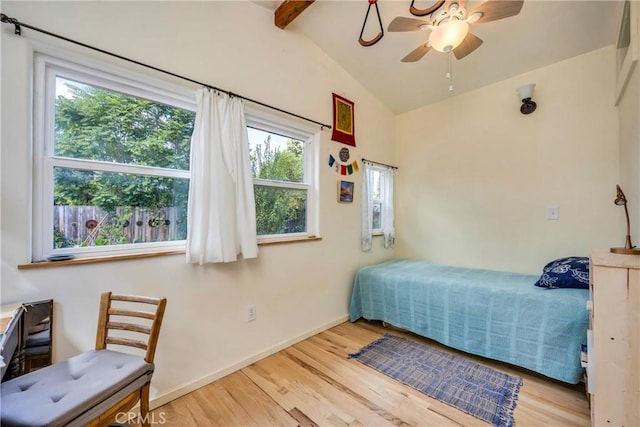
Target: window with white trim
(378,199)
(283,164)
(111,164)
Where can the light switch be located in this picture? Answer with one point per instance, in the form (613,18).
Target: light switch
(553,212)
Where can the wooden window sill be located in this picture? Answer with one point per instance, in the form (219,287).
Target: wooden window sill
(283,240)
(110,258)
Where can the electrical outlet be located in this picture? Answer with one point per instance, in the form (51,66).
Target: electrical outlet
(553,212)
(251,313)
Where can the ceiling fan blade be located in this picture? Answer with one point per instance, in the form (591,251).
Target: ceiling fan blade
(401,23)
(470,43)
(492,10)
(417,53)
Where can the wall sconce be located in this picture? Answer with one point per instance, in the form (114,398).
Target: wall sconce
(629,249)
(526,93)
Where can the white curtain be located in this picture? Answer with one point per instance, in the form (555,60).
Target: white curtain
(386,212)
(222,216)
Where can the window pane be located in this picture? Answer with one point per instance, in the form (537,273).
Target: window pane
(377,222)
(280,210)
(276,157)
(102,208)
(99,124)
(377,185)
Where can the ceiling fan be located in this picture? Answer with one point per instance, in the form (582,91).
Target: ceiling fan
(449,25)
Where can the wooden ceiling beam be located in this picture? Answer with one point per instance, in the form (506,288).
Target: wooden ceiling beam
(289,10)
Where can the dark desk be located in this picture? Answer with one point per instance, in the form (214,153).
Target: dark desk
(11,325)
(19,323)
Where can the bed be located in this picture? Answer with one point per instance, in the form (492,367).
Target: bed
(498,315)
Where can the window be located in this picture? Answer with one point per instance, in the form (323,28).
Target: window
(377,204)
(282,164)
(111,162)
(380,197)
(377,199)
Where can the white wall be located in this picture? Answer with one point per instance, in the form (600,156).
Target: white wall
(476,176)
(297,288)
(629,122)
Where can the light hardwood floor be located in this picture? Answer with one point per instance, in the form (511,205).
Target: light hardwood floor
(314,383)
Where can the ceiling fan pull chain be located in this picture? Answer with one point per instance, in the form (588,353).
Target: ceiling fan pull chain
(377,38)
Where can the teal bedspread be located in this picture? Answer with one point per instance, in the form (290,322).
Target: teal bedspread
(494,314)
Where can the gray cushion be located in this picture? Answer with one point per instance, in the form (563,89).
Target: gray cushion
(59,393)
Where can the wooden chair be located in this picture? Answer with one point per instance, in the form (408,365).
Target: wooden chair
(99,386)
(104,337)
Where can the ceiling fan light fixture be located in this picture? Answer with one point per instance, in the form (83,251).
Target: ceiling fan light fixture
(448,35)
(474,17)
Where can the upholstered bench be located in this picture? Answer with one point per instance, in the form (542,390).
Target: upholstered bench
(74,391)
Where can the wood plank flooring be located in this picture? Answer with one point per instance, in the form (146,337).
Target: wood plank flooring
(314,384)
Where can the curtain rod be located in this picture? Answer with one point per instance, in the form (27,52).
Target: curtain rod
(378,163)
(18,31)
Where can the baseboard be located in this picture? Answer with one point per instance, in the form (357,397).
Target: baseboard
(188,388)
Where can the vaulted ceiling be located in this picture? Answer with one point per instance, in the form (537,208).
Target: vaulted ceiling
(544,32)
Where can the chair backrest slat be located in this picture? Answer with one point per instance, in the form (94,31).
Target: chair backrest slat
(105,324)
(127,341)
(129,327)
(131,313)
(135,298)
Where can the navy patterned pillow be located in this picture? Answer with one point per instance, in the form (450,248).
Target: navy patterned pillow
(570,272)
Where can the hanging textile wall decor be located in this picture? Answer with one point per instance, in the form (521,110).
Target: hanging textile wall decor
(346,168)
(343,126)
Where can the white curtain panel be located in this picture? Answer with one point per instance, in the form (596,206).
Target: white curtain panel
(367,207)
(222,216)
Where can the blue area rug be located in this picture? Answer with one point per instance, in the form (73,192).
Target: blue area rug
(478,390)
